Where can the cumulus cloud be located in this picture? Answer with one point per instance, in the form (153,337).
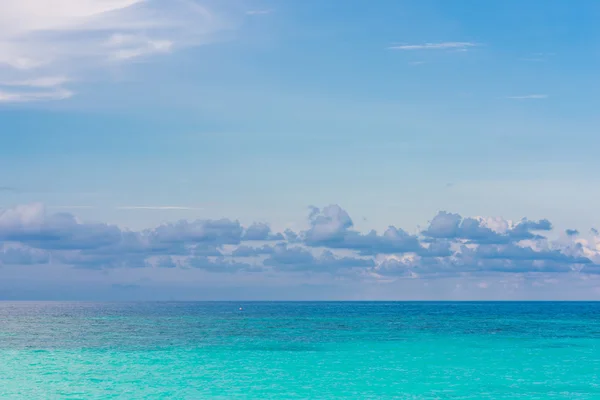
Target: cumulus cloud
(43,43)
(452,245)
(249,251)
(479,230)
(219,232)
(297,258)
(19,255)
(32,226)
(221,265)
(328,225)
(261,231)
(331,227)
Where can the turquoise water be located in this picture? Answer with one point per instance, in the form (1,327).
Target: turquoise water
(364,350)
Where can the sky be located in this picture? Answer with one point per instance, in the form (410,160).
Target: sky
(298,150)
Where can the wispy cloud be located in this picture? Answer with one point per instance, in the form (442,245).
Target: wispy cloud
(71,207)
(34,89)
(27,96)
(529,97)
(126,47)
(157,208)
(259,12)
(44,43)
(434,46)
(41,82)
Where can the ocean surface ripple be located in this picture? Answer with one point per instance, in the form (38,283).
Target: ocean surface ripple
(300,350)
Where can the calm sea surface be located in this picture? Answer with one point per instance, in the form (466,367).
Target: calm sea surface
(306,350)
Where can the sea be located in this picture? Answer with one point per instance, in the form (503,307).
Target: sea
(300,350)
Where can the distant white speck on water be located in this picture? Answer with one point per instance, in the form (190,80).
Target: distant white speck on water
(240,308)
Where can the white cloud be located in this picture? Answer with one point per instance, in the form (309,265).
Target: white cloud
(22,216)
(44,42)
(259,12)
(226,246)
(41,82)
(124,47)
(528,96)
(26,96)
(434,46)
(27,90)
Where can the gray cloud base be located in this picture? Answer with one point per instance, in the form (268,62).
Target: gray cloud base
(450,245)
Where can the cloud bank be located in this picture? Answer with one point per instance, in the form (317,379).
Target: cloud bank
(450,246)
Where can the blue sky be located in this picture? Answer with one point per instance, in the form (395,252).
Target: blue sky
(139,113)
